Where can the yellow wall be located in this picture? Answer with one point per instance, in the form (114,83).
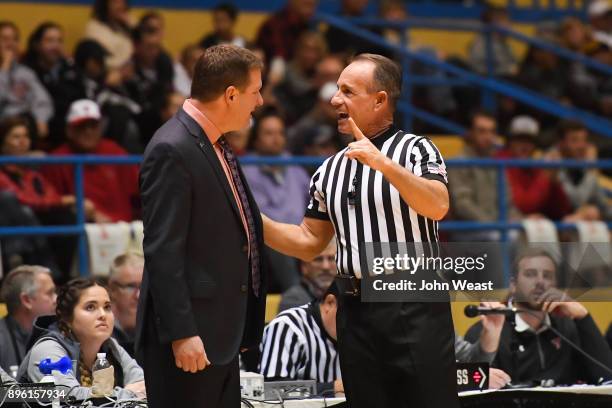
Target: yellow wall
(182,26)
(187,26)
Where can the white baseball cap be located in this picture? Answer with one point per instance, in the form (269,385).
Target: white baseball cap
(82,110)
(524,125)
(599,8)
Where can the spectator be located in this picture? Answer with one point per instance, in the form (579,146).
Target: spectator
(18,250)
(28,292)
(317,276)
(112,190)
(152,80)
(473,190)
(152,22)
(46,57)
(579,184)
(107,89)
(600,18)
(40,202)
(21,94)
(543,72)
(124,288)
(281,192)
(345,44)
(224,18)
(504,60)
(534,193)
(110,26)
(300,344)
(278,35)
(297,92)
(318,127)
(574,34)
(30,187)
(81,328)
(183,69)
(436,98)
(529,351)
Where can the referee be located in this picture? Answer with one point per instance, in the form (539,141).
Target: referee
(300,344)
(387,186)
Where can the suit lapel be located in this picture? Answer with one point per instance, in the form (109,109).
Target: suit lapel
(203,143)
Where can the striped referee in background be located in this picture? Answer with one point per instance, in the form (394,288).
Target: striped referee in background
(300,344)
(386,187)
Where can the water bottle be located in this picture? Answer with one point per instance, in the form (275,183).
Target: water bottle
(103,377)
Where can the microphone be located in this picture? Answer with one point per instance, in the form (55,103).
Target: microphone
(473,310)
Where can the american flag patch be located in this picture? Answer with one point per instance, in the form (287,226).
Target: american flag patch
(436,168)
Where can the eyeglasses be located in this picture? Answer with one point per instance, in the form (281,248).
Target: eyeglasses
(129,288)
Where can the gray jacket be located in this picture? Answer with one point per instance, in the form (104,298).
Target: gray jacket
(5,378)
(52,344)
(21,92)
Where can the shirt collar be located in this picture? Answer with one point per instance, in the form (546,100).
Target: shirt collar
(190,106)
(385,135)
(520,325)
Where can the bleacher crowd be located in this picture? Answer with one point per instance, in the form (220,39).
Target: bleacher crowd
(110,94)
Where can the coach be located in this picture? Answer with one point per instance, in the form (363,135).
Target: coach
(203,292)
(387,186)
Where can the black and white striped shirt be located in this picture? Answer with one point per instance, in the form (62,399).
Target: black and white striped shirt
(364,207)
(296,346)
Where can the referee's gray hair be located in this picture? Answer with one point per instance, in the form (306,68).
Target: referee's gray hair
(20,280)
(128,258)
(387,75)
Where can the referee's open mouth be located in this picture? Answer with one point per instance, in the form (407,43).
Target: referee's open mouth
(342,116)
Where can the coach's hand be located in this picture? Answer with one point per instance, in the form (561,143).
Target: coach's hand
(189,354)
(363,150)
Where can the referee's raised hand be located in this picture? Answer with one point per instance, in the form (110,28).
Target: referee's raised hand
(363,150)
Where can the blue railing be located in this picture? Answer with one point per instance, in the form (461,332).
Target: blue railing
(489,84)
(79,162)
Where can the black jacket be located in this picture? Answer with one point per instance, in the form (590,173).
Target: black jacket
(527,356)
(197,276)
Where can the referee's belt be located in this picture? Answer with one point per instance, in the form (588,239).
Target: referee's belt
(348,285)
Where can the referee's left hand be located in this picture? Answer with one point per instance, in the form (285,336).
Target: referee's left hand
(363,150)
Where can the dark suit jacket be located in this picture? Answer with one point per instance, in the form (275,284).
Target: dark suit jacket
(197,275)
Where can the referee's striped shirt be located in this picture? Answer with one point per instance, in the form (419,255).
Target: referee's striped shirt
(296,346)
(364,207)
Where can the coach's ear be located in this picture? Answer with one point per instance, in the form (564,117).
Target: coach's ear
(381,100)
(231,94)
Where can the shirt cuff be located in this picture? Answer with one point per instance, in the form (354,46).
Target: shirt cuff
(432,176)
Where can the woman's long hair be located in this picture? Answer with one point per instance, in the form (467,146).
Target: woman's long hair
(31,55)
(68,297)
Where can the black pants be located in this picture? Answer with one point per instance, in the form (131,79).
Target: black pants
(217,386)
(395,355)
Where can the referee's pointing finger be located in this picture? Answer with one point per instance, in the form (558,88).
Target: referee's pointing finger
(355,130)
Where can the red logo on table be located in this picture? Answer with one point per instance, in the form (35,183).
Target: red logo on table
(477,377)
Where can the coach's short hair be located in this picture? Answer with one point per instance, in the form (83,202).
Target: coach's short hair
(387,75)
(222,66)
(20,280)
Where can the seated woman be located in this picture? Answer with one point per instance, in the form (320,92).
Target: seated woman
(82,328)
(35,192)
